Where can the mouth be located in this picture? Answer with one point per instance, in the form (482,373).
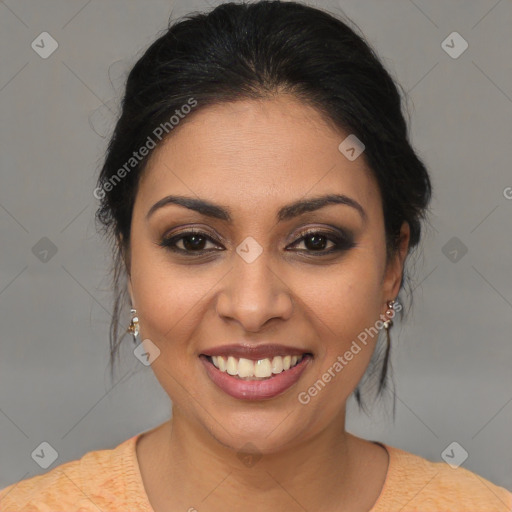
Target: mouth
(261,369)
(256,379)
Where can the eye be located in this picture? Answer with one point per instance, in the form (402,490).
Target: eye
(190,241)
(195,242)
(317,241)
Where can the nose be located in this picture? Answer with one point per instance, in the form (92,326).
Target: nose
(253,294)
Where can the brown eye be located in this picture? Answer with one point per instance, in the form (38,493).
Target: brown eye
(317,241)
(191,241)
(194,242)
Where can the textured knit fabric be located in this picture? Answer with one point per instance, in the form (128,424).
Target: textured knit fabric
(110,481)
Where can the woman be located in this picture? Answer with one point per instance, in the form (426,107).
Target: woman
(263,198)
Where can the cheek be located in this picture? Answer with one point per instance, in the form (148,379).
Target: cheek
(343,306)
(167,296)
(346,300)
(168,308)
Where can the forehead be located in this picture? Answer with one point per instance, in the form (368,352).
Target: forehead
(256,154)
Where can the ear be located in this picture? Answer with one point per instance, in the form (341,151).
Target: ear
(395,267)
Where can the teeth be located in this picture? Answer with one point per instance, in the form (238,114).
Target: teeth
(245,368)
(262,368)
(232,366)
(277,364)
(254,370)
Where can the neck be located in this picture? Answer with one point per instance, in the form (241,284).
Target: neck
(314,474)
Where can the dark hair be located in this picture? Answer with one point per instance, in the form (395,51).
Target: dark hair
(252,51)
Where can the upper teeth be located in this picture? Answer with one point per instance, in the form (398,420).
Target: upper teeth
(262,368)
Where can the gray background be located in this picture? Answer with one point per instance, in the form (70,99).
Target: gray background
(451,357)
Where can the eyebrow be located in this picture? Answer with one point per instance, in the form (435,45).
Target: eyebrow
(287,212)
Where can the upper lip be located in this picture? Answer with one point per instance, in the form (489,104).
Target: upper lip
(255,352)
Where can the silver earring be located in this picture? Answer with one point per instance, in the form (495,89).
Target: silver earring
(134,325)
(388,323)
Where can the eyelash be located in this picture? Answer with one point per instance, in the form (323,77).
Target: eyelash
(342,243)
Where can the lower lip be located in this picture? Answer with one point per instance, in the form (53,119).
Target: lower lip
(255,389)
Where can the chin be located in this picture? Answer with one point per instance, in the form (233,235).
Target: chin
(259,431)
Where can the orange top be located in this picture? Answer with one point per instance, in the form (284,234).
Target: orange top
(110,481)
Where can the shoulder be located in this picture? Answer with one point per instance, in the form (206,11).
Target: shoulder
(97,479)
(415,483)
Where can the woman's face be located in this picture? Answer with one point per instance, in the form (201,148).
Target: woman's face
(250,275)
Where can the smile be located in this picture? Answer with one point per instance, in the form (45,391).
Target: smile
(255,370)
(259,379)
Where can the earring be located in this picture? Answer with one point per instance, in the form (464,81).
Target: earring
(134,325)
(390,312)
(387,326)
